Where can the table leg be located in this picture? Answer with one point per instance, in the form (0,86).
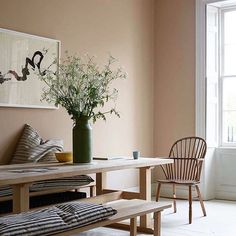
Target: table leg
(20,198)
(100,183)
(157,223)
(145,192)
(133,226)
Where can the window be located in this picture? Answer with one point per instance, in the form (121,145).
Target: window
(228,76)
(221,75)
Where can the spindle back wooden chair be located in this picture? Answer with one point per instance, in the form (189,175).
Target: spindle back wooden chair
(188,154)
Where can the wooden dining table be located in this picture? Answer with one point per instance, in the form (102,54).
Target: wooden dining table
(21,176)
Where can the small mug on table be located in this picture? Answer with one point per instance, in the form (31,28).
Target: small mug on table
(136,154)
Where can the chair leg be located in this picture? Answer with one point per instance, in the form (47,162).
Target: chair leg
(158,191)
(174,196)
(190,203)
(201,201)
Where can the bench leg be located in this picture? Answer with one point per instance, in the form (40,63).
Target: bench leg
(133,226)
(157,223)
(20,198)
(92,191)
(100,183)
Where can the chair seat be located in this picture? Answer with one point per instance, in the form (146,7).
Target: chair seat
(178,181)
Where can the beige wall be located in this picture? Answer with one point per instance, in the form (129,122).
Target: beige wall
(174,72)
(124,28)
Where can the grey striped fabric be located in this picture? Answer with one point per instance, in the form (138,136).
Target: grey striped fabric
(31,147)
(78,214)
(59,218)
(42,222)
(71,182)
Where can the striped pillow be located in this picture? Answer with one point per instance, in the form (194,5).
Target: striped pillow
(71,182)
(53,220)
(78,214)
(31,147)
(41,222)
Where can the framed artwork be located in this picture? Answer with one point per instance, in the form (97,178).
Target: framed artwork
(22,58)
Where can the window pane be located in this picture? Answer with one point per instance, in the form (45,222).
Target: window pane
(229,43)
(229,110)
(230,60)
(229,26)
(229,127)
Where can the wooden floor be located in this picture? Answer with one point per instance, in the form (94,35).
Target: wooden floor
(221,221)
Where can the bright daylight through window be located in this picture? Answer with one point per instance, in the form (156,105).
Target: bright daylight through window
(228,76)
(221,75)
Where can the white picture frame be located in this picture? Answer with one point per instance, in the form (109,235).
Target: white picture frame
(22,57)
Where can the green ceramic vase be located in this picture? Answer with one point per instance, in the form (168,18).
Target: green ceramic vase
(82,141)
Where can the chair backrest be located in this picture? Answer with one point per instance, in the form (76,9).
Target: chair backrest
(188,154)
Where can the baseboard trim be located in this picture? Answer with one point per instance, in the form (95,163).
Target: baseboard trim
(225,195)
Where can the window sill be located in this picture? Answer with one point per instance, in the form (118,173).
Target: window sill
(226,150)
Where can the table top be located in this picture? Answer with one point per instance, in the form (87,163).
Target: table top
(27,173)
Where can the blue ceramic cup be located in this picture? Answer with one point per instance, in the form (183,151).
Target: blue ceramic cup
(136,154)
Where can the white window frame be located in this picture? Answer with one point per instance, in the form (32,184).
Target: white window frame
(200,73)
(209,173)
(221,74)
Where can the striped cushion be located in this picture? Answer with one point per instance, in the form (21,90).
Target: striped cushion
(31,147)
(53,220)
(71,182)
(41,222)
(77,214)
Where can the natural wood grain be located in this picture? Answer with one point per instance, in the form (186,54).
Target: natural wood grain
(101,199)
(92,190)
(55,190)
(158,191)
(188,155)
(137,208)
(100,182)
(104,198)
(201,201)
(145,192)
(190,203)
(100,168)
(20,198)
(69,169)
(133,226)
(157,223)
(125,194)
(174,197)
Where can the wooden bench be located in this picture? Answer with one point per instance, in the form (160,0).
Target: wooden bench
(127,209)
